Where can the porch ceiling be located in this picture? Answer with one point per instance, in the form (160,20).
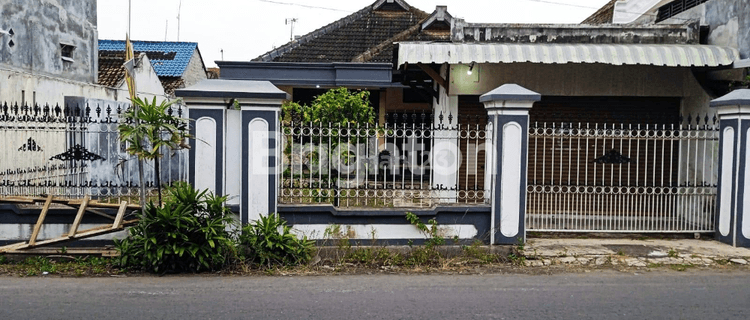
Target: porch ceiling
(613,54)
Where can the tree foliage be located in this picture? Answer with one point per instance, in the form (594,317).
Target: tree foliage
(336,106)
(147,128)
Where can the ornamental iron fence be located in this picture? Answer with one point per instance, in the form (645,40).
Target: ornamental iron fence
(411,161)
(623,177)
(72,151)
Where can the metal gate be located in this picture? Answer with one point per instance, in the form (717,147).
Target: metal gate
(622,177)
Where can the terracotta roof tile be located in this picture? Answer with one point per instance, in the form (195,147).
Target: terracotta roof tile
(603,15)
(111,71)
(350,37)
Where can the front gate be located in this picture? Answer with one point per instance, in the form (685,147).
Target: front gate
(622,177)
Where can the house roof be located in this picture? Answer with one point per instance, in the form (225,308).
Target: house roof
(111,69)
(556,53)
(603,15)
(364,36)
(217,88)
(170,59)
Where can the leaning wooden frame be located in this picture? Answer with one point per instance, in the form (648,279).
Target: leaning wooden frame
(85,205)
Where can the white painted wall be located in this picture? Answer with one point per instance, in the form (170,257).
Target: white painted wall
(258,157)
(725,198)
(384,231)
(205,154)
(445,159)
(22,232)
(195,71)
(511,188)
(233,156)
(147,82)
(628,11)
(50,90)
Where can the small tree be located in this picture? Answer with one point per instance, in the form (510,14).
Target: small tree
(147,128)
(337,106)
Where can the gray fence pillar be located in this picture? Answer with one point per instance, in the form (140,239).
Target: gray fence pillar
(236,147)
(733,218)
(508,108)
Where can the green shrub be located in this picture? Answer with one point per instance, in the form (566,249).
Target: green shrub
(268,241)
(188,234)
(338,106)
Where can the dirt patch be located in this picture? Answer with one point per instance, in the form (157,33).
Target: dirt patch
(630,250)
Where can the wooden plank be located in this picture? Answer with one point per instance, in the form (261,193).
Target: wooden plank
(79,216)
(97,204)
(69,251)
(88,233)
(100,213)
(120,215)
(16,200)
(434,75)
(42,216)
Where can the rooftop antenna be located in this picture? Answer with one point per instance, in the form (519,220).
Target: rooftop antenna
(222,54)
(179,9)
(166,31)
(291,21)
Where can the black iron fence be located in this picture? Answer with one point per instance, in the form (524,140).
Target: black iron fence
(74,150)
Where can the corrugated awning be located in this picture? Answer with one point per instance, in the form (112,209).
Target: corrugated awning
(613,54)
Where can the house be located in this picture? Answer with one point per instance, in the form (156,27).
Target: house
(622,106)
(354,52)
(177,64)
(721,23)
(59,118)
(49,51)
(112,73)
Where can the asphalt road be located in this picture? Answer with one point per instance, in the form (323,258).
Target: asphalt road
(606,295)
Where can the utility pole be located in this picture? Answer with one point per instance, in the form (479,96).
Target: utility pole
(179,9)
(291,21)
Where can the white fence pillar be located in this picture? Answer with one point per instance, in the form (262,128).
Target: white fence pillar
(236,147)
(508,108)
(733,218)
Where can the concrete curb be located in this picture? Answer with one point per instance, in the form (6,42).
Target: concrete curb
(632,253)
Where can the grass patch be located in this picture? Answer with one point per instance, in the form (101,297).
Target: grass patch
(680,267)
(66,266)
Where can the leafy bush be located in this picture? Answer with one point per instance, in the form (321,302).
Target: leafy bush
(268,241)
(189,233)
(337,106)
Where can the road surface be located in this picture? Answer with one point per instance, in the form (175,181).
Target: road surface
(598,295)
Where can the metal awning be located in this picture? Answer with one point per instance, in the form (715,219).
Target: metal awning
(552,53)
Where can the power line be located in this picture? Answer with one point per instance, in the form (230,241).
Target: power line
(305,6)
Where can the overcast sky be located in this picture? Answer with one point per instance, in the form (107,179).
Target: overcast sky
(245,29)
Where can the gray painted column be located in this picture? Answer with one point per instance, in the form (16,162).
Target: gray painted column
(508,108)
(236,147)
(733,208)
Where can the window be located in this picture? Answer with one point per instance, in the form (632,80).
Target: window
(66,52)
(676,7)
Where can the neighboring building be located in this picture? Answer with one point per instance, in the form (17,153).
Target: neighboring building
(722,22)
(112,73)
(50,39)
(178,64)
(49,51)
(355,52)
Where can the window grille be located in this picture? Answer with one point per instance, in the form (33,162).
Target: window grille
(676,7)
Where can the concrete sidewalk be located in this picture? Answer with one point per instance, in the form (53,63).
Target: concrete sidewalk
(633,253)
